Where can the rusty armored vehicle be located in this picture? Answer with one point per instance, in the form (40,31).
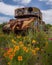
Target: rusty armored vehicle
(24,18)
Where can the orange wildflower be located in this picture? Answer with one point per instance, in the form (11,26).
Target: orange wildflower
(25,49)
(16,48)
(20,58)
(11,56)
(8,53)
(10,50)
(5,55)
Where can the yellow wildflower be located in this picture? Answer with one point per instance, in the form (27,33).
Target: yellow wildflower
(8,63)
(13,41)
(34,52)
(29,44)
(22,45)
(24,38)
(46,36)
(20,58)
(20,42)
(15,50)
(1,48)
(18,36)
(33,41)
(46,44)
(1,35)
(37,49)
(27,50)
(24,48)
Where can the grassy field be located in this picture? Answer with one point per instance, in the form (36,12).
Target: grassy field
(33,49)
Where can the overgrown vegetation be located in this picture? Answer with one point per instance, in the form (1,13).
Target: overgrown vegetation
(32,49)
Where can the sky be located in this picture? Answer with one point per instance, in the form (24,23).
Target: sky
(7,8)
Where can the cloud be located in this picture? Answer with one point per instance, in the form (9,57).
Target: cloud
(4,19)
(48,2)
(47,16)
(42,0)
(24,2)
(1,0)
(8,9)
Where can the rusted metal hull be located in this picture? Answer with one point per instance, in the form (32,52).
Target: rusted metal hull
(24,18)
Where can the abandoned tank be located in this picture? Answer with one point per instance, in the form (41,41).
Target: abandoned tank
(24,18)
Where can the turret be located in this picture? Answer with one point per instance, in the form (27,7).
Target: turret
(28,12)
